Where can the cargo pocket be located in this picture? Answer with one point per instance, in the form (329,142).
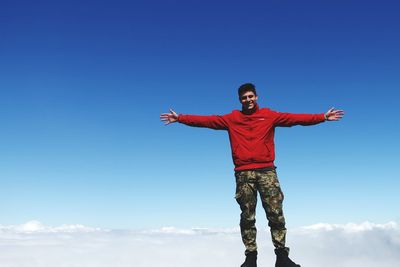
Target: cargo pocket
(239,188)
(238,193)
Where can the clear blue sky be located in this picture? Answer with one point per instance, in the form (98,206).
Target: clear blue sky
(82,84)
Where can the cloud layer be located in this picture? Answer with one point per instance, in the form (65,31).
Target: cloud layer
(34,244)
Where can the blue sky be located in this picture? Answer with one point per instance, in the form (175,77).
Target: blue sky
(82,84)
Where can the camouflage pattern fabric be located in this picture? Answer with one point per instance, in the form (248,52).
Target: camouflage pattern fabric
(248,183)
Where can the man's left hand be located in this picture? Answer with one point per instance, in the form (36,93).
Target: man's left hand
(334,114)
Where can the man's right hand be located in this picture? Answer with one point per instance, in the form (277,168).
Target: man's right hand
(168,118)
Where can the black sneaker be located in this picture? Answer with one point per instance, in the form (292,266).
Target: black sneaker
(282,259)
(251,260)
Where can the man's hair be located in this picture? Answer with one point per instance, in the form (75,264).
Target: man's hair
(247,87)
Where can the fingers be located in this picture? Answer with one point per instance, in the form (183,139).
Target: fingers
(173,113)
(165,116)
(337,115)
(335,111)
(334,114)
(168,118)
(166,121)
(169,115)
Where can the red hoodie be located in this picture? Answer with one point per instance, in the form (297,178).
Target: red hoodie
(252,135)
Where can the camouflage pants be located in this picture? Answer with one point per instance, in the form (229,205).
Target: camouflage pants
(266,183)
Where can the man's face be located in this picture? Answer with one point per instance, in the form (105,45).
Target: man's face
(248,100)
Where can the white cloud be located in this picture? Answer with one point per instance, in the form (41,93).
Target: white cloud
(365,244)
(351,227)
(38,227)
(192,231)
(34,244)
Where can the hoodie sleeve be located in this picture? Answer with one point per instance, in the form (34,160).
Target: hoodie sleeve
(285,119)
(215,122)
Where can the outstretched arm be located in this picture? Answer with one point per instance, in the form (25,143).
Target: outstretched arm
(168,118)
(212,121)
(290,119)
(334,114)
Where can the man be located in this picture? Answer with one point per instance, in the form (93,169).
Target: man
(251,135)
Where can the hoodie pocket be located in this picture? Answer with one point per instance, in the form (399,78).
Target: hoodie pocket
(241,155)
(263,153)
